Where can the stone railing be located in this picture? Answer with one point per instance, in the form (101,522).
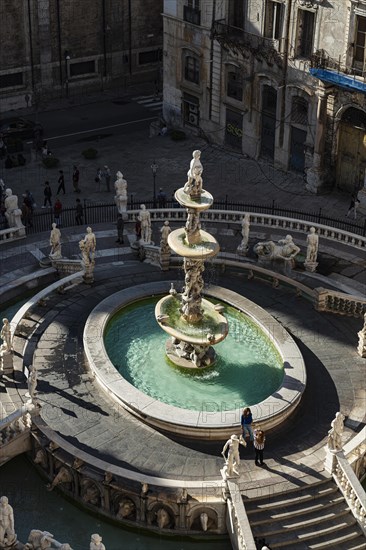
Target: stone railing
(237,522)
(351,488)
(14,433)
(262,220)
(11,234)
(339,302)
(355,452)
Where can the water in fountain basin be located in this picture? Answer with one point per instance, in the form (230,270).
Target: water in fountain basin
(248,368)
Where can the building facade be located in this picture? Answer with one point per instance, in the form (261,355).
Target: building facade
(55,48)
(275,79)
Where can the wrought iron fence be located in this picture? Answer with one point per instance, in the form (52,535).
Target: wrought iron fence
(99,212)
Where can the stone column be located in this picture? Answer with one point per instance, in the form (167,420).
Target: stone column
(45,39)
(316,174)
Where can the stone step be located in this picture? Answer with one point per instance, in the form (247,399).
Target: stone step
(297,509)
(326,488)
(299,524)
(353,540)
(316,536)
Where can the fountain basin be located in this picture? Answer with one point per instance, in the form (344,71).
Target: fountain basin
(205,424)
(213,323)
(206,248)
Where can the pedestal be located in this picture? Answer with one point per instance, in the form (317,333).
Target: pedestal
(88,276)
(330,460)
(6,362)
(311,266)
(164,261)
(242,250)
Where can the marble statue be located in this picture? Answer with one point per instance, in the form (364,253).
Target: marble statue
(90,243)
(191,297)
(87,248)
(204,521)
(245,225)
(7,533)
(162,518)
(55,243)
(193,226)
(165,230)
(32,383)
(126,508)
(120,186)
(232,460)
(39,540)
(362,339)
(96,542)
(145,221)
(285,249)
(335,433)
(13,213)
(6,336)
(312,241)
(193,186)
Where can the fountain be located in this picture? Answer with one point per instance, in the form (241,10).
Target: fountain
(195,246)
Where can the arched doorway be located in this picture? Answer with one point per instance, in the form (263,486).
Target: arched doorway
(351,155)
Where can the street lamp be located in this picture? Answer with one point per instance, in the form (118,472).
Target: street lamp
(67,59)
(154,169)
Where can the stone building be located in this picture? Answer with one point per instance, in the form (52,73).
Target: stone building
(278,79)
(55,48)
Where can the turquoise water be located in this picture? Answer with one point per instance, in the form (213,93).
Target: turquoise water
(248,368)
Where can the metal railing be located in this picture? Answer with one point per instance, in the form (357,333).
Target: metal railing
(98,212)
(322,60)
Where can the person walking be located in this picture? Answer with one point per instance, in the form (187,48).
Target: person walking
(98,178)
(246,424)
(353,206)
(79,212)
(161,198)
(47,195)
(120,226)
(61,183)
(75,179)
(259,440)
(107,176)
(57,210)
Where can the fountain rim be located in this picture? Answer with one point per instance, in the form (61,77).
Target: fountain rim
(269,413)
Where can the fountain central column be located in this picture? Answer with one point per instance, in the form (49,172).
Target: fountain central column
(194,324)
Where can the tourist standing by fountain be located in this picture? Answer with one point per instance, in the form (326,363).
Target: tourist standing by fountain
(246,423)
(259,441)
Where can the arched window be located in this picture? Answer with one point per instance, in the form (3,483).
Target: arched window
(192,69)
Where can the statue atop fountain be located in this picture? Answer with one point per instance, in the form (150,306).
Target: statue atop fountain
(187,349)
(245,225)
(145,221)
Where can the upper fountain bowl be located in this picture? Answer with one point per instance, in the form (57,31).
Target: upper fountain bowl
(204,202)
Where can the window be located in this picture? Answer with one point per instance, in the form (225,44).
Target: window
(236,14)
(10,80)
(84,67)
(152,56)
(191,69)
(273,20)
(234,84)
(360,43)
(191,12)
(299,111)
(305,33)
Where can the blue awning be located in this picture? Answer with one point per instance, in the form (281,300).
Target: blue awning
(339,79)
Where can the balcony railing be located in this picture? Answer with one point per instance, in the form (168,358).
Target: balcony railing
(322,60)
(236,39)
(192,15)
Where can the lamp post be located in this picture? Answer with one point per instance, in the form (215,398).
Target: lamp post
(67,59)
(154,169)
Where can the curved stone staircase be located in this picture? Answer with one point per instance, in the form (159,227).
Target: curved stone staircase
(312,516)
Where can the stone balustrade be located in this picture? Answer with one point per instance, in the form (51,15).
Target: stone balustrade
(11,234)
(15,433)
(351,488)
(355,452)
(339,302)
(237,522)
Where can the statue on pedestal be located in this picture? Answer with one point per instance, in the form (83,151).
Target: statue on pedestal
(245,225)
(7,534)
(312,250)
(55,243)
(285,250)
(193,186)
(145,221)
(362,339)
(232,460)
(120,186)
(165,230)
(32,383)
(6,336)
(13,213)
(96,543)
(87,247)
(335,433)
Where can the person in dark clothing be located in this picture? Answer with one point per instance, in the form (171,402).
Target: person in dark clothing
(61,182)
(161,198)
(79,212)
(75,179)
(57,210)
(47,194)
(120,226)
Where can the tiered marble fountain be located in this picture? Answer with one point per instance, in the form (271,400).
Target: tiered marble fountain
(194,324)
